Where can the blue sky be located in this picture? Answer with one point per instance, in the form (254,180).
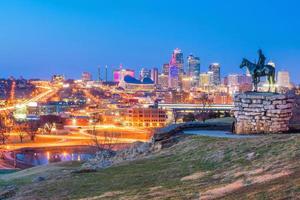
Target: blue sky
(42,37)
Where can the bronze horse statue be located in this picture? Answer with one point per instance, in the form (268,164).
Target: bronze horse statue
(257,72)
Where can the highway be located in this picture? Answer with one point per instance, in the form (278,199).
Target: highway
(37,98)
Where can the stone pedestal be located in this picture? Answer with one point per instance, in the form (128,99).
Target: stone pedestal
(262,112)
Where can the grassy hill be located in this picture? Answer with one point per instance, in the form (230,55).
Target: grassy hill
(265,167)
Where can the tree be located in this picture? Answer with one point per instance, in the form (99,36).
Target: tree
(4,131)
(4,135)
(21,132)
(31,128)
(176,115)
(21,135)
(106,140)
(204,100)
(20,128)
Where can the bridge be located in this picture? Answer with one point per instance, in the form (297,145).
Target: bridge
(196,107)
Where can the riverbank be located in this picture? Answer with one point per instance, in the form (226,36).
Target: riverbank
(265,167)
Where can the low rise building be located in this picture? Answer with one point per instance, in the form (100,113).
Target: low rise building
(145,117)
(131,84)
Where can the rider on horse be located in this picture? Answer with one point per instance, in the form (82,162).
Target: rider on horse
(261,60)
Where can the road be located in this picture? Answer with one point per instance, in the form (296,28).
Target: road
(49,92)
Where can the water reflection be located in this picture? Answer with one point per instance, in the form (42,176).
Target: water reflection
(43,158)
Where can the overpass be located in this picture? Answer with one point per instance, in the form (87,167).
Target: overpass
(195,107)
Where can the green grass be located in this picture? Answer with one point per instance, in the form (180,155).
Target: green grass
(219,158)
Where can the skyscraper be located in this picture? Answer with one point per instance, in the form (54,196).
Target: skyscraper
(165,69)
(215,69)
(283,79)
(177,59)
(154,75)
(173,77)
(194,70)
(176,69)
(163,81)
(205,79)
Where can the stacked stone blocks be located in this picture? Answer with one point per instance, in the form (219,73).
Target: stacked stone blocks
(262,112)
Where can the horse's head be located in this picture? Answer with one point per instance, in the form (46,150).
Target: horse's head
(244,63)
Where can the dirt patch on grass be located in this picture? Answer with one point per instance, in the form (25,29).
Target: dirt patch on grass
(105,195)
(222,191)
(270,176)
(194,176)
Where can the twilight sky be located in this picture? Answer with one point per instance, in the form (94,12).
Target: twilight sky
(43,37)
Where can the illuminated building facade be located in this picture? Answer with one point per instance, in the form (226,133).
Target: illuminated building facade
(154,75)
(165,69)
(58,78)
(173,77)
(238,83)
(206,79)
(283,79)
(194,69)
(187,83)
(145,117)
(86,76)
(215,69)
(163,81)
(176,69)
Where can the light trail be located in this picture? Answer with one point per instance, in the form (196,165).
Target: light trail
(26,102)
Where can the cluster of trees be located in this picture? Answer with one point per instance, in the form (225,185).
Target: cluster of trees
(190,117)
(28,128)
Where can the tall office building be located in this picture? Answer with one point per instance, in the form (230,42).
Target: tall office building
(283,79)
(206,79)
(176,69)
(186,83)
(154,75)
(215,69)
(173,77)
(194,70)
(177,59)
(165,69)
(145,73)
(163,81)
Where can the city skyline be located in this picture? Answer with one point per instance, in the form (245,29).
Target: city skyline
(79,37)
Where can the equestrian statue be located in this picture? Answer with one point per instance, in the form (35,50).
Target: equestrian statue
(260,69)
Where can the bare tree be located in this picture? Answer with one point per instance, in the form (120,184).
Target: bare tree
(4,131)
(21,134)
(205,101)
(31,128)
(105,140)
(4,136)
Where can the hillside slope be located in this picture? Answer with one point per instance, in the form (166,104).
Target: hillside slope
(265,167)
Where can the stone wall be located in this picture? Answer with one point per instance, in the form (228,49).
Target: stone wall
(262,112)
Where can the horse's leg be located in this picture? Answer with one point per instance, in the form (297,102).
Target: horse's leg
(273,81)
(254,84)
(270,82)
